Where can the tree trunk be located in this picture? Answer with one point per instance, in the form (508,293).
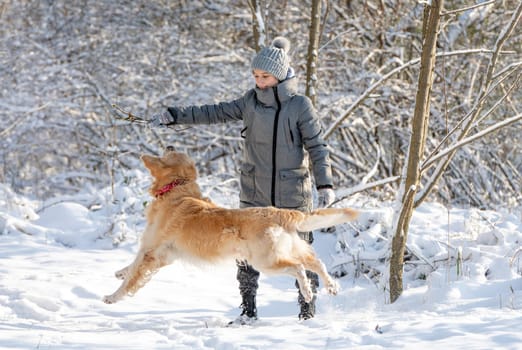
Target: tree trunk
(257,24)
(419,129)
(313,45)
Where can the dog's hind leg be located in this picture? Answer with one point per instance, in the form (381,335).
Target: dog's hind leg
(296,270)
(313,264)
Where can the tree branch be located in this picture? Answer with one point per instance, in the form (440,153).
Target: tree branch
(387,76)
(464,9)
(444,162)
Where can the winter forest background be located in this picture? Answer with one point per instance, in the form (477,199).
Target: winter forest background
(63,63)
(73,190)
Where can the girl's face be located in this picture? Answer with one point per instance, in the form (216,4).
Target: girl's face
(264,80)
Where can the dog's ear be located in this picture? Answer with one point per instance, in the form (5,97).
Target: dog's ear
(151,162)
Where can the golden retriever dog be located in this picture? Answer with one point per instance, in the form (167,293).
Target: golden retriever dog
(181,224)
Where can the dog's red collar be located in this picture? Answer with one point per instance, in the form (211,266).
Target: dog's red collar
(169,187)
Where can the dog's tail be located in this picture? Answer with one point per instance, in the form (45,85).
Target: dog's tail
(327,217)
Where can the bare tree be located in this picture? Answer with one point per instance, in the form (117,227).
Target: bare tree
(258,24)
(312,56)
(410,187)
(369,126)
(419,128)
(473,119)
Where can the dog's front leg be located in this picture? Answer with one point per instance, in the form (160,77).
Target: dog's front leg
(123,274)
(137,275)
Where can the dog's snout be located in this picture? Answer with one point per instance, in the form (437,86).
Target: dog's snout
(170,148)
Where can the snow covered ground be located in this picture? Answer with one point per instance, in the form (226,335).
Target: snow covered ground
(463,282)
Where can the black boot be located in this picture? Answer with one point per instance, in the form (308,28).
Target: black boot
(249,306)
(247,277)
(308,309)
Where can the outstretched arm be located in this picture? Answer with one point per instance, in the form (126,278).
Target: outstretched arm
(206,114)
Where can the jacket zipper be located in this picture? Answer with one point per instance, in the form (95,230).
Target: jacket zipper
(274,146)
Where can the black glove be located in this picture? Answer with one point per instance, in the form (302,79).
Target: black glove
(161,120)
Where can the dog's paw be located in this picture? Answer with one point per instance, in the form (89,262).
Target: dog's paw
(109,299)
(332,287)
(121,274)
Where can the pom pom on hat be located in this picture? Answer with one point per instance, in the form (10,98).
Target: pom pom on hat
(274,59)
(281,43)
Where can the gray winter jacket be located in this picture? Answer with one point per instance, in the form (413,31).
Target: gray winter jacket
(279,125)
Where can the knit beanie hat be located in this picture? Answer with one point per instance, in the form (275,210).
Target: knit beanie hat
(274,59)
